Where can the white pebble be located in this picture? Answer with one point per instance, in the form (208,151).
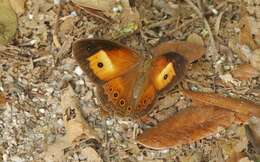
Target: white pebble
(78,71)
(42,111)
(56,2)
(73,13)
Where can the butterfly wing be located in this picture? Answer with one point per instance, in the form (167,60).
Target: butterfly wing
(165,71)
(113,67)
(103,60)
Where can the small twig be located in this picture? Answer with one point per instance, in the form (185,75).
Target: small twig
(43,58)
(182,25)
(161,23)
(218,21)
(56,28)
(94,13)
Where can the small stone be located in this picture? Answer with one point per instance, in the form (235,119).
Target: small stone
(78,71)
(109,122)
(80,82)
(42,111)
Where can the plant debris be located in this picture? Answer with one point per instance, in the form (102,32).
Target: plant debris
(37,71)
(8,22)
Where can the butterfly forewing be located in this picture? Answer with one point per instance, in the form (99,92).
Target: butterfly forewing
(104,60)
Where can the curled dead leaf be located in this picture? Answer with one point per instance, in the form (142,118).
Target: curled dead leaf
(236,105)
(76,127)
(245,72)
(191,51)
(186,126)
(8,22)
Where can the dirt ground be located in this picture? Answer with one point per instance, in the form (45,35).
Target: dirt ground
(37,65)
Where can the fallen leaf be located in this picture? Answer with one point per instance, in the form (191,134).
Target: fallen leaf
(67,24)
(237,105)
(8,22)
(90,155)
(245,35)
(236,156)
(76,127)
(18,6)
(253,133)
(186,126)
(245,72)
(255,59)
(196,39)
(191,51)
(75,124)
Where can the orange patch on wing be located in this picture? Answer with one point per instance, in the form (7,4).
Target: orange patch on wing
(163,73)
(107,65)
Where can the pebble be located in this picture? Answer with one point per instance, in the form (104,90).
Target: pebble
(78,71)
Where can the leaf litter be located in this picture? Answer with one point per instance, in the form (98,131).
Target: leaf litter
(37,66)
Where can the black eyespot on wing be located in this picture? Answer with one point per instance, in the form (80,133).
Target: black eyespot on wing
(165,76)
(122,102)
(116,94)
(100,64)
(129,108)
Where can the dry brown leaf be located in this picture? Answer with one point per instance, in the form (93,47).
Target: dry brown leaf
(245,72)
(91,155)
(191,51)
(253,133)
(76,127)
(67,24)
(245,36)
(255,59)
(18,6)
(75,124)
(185,127)
(237,105)
(196,39)
(236,156)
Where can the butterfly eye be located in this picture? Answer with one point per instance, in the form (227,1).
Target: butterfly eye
(100,64)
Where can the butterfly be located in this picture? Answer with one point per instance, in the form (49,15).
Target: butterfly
(128,84)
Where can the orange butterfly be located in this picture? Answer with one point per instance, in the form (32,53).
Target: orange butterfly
(128,84)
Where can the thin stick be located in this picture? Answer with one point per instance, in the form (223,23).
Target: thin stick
(182,25)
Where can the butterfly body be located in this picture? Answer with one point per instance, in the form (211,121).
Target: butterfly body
(127,83)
